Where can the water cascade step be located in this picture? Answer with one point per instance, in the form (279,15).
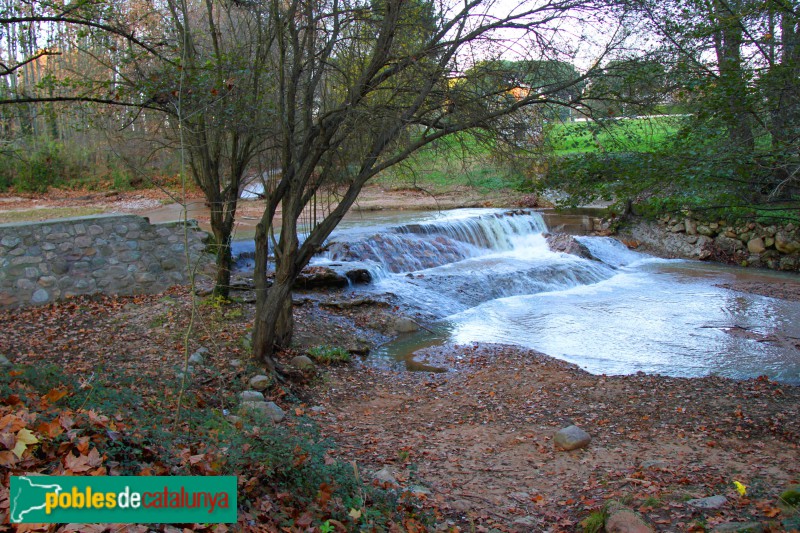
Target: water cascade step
(419,246)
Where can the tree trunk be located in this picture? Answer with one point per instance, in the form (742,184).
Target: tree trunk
(732,79)
(274,321)
(224,265)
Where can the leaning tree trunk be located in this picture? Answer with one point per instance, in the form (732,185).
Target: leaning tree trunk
(274,321)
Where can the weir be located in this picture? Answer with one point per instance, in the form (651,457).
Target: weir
(424,245)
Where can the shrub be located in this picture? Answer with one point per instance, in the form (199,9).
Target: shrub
(329,355)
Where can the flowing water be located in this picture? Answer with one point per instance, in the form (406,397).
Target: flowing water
(488,276)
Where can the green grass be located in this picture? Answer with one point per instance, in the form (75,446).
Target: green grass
(455,162)
(329,355)
(463,161)
(620,135)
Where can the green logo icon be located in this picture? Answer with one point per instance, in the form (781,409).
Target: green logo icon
(122,499)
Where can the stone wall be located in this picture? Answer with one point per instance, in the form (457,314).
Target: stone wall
(775,246)
(112,254)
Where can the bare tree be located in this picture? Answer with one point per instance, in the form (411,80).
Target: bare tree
(362,86)
(219,101)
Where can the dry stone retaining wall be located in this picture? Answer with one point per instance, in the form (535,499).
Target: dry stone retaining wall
(112,254)
(748,244)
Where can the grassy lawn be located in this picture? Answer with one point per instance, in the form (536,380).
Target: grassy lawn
(456,162)
(461,161)
(619,135)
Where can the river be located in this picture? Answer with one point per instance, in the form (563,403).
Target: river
(487,275)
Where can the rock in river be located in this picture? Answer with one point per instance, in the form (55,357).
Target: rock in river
(564,243)
(318,277)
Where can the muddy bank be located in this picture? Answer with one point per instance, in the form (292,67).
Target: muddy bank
(477,441)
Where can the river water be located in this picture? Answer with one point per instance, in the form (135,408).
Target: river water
(482,275)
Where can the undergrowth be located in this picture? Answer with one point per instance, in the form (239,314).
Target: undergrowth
(98,425)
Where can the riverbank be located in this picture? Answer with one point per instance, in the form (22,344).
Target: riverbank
(472,446)
(168,203)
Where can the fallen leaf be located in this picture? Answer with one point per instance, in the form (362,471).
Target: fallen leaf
(77,464)
(51,429)
(54,395)
(24,439)
(7,459)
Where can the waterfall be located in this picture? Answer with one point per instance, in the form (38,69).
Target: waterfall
(419,246)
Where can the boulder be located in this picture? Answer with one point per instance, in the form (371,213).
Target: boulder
(657,464)
(789,262)
(403,324)
(317,277)
(690,226)
(571,438)
(251,396)
(359,275)
(727,244)
(784,243)
(756,246)
(705,230)
(260,382)
(4,360)
(567,244)
(270,409)
(302,362)
(197,357)
(384,475)
(624,520)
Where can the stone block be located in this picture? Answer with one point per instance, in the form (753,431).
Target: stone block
(40,296)
(47,281)
(9,241)
(25,284)
(26,260)
(84,241)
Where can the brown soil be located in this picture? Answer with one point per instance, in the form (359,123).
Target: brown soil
(774,289)
(480,439)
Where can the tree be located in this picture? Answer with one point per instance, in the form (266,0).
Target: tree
(739,61)
(361,87)
(215,88)
(629,86)
(54,77)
